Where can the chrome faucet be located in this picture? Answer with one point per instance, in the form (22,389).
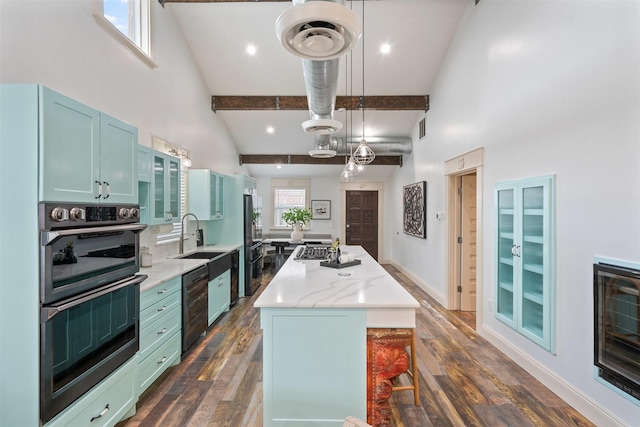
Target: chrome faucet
(182,230)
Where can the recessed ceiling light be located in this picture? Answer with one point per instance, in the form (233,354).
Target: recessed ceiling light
(251,49)
(385,48)
(270,129)
(279,166)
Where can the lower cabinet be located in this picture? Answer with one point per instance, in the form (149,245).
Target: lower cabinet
(107,403)
(160,331)
(219,295)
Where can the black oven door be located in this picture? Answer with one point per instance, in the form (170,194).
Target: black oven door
(84,339)
(74,261)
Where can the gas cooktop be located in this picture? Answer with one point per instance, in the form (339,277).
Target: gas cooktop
(313,252)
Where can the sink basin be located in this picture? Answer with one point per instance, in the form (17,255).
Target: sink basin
(202,255)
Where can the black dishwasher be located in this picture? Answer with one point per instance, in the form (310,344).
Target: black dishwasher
(195,300)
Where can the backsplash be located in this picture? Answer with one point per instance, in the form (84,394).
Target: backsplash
(148,238)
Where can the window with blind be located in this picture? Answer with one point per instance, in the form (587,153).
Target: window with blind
(287,194)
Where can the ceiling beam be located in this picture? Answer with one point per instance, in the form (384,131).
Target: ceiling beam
(390,102)
(303,159)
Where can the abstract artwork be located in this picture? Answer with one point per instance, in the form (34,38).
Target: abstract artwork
(415,207)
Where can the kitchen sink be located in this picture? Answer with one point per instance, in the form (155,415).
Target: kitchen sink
(202,255)
(219,262)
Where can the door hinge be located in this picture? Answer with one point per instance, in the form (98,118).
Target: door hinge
(459,288)
(459,190)
(460,239)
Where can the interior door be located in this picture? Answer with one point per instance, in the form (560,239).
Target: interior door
(362,220)
(468,250)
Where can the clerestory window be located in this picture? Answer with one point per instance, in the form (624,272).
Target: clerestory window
(129,22)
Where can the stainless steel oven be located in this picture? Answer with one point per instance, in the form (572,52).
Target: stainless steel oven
(89,298)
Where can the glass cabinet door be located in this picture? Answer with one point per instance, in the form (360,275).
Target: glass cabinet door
(159,190)
(220,210)
(213,200)
(506,247)
(531,253)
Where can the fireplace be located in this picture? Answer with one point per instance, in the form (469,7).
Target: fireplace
(617,325)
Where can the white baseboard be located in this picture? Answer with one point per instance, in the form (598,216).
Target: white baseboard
(574,397)
(433,293)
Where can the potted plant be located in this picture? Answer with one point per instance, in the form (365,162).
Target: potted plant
(255,215)
(297,218)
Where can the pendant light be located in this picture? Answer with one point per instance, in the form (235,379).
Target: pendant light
(350,168)
(345,176)
(364,154)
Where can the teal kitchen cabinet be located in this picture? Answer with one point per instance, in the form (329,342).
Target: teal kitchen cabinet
(113,399)
(219,295)
(158,186)
(525,259)
(160,330)
(206,194)
(85,155)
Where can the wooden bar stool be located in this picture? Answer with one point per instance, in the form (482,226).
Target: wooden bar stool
(412,372)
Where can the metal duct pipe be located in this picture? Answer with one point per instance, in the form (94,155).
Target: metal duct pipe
(321,81)
(319,32)
(382,145)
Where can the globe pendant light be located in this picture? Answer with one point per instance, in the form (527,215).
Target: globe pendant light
(364,154)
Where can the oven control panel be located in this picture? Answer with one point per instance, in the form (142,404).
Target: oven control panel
(64,215)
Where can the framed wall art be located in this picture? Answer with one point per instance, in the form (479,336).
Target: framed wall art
(321,209)
(414,199)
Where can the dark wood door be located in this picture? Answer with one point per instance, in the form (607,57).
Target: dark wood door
(362,220)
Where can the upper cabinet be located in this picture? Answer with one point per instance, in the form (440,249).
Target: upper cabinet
(525,261)
(206,194)
(159,176)
(85,155)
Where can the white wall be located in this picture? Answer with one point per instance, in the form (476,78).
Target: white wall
(322,188)
(58,44)
(546,88)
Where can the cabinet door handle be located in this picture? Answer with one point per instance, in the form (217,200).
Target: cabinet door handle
(163,308)
(99,189)
(102,414)
(108,189)
(164,291)
(164,359)
(162,331)
(513,250)
(518,251)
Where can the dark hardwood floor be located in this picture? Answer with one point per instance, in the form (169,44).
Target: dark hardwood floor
(464,380)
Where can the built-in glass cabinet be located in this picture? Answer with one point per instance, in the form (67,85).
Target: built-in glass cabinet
(525,261)
(158,187)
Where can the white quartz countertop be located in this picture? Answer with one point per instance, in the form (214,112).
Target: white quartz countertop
(305,284)
(168,268)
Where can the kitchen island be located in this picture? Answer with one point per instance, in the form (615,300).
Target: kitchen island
(315,321)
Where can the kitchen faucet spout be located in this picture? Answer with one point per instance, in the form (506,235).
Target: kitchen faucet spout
(182,230)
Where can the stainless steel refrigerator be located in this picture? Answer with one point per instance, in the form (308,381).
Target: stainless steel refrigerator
(253,250)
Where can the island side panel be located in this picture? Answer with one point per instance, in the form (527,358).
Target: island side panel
(315,364)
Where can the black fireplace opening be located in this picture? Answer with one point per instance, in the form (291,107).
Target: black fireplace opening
(617,325)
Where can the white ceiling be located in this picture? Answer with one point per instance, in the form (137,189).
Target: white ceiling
(419,32)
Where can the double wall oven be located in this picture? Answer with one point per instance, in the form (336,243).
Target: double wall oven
(89,297)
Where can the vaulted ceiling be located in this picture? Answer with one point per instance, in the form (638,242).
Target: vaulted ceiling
(267,89)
